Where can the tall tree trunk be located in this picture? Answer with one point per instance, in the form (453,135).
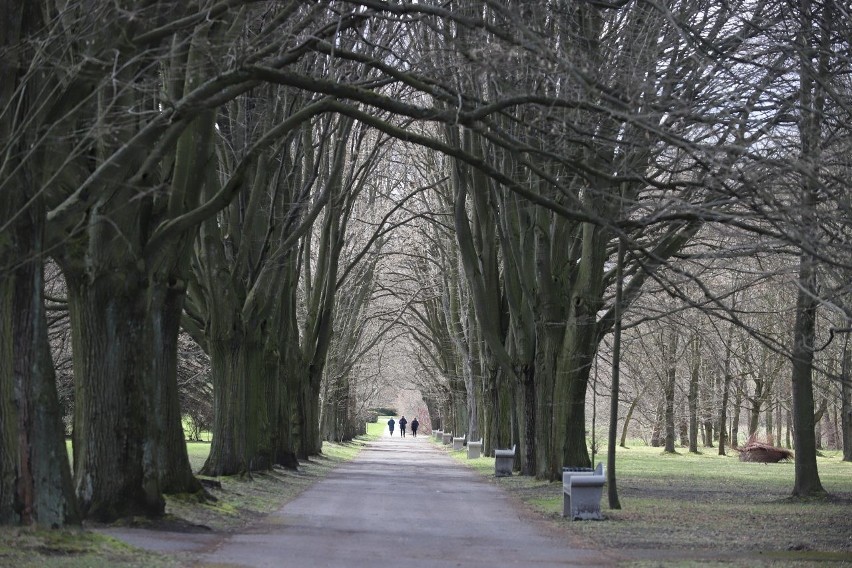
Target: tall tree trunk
(812,76)
(735,420)
(239,400)
(759,398)
(165,423)
(310,442)
(528,408)
(726,385)
(669,389)
(114,470)
(285,452)
(549,336)
(657,427)
(846,402)
(35,477)
(612,487)
(769,415)
(807,480)
(692,396)
(627,418)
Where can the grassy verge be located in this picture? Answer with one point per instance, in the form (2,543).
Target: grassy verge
(238,501)
(697,508)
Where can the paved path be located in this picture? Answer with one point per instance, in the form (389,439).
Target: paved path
(401,502)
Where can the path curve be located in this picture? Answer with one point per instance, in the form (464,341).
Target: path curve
(400,502)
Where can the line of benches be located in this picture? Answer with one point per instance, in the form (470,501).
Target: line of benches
(474,449)
(582,487)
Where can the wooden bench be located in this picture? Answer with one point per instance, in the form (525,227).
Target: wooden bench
(447,438)
(503,462)
(582,489)
(474,449)
(458,443)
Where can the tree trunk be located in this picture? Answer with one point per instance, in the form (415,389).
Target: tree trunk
(165,423)
(754,413)
(310,442)
(807,480)
(285,453)
(241,424)
(669,390)
(615,388)
(114,469)
(692,397)
(726,386)
(491,411)
(627,418)
(788,416)
(527,410)
(545,364)
(769,414)
(846,403)
(35,477)
(723,413)
(735,421)
(657,428)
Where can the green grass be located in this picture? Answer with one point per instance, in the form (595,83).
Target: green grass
(71,548)
(197,452)
(376,429)
(694,508)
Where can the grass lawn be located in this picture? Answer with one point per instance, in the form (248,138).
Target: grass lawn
(237,502)
(694,508)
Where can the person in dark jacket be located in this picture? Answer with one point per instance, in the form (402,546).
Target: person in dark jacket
(414,426)
(402,423)
(390,425)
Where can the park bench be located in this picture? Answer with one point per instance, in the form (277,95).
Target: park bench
(458,443)
(474,449)
(447,438)
(582,488)
(438,434)
(503,461)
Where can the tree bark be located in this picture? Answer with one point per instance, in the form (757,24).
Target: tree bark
(807,481)
(846,402)
(165,422)
(726,385)
(669,389)
(35,477)
(692,397)
(241,428)
(114,470)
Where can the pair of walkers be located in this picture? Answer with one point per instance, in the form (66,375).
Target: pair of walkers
(402,424)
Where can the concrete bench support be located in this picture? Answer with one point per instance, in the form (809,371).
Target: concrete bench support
(458,443)
(438,434)
(503,461)
(447,438)
(474,449)
(581,492)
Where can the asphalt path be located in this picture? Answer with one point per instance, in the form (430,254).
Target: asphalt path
(401,502)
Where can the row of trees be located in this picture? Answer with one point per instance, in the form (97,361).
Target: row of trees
(732,114)
(234,169)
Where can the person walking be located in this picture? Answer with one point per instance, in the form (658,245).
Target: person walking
(402,423)
(414,425)
(390,425)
